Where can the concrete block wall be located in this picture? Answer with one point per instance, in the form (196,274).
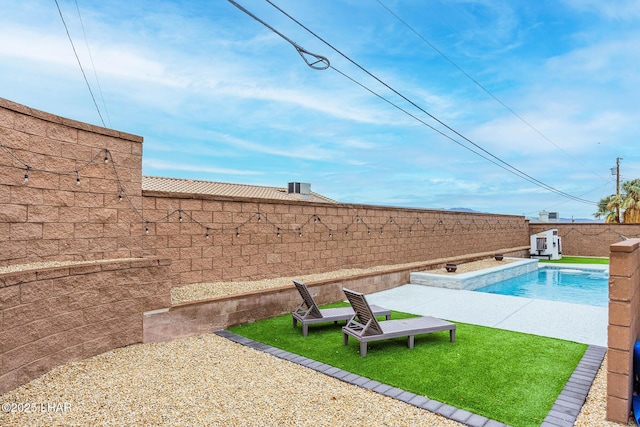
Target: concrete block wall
(199,317)
(52,316)
(52,216)
(252,239)
(588,239)
(624,326)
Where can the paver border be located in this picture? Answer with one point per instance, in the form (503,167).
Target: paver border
(562,414)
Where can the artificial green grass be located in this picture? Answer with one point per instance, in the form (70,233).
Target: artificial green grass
(507,376)
(577,260)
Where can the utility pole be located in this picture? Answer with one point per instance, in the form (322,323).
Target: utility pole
(618,188)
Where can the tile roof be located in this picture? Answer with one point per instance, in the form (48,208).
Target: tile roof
(193,186)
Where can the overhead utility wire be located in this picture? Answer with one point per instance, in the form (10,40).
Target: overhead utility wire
(320,63)
(513,169)
(424,123)
(95,73)
(326,61)
(328,65)
(478,83)
(519,173)
(79,63)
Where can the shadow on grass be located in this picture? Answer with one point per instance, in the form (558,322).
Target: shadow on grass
(507,376)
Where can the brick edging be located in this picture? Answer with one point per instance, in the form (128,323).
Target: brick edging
(562,414)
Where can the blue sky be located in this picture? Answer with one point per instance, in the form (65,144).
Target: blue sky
(218,96)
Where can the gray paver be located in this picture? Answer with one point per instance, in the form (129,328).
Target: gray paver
(393,392)
(461,415)
(405,396)
(372,384)
(562,414)
(350,378)
(476,420)
(418,400)
(382,388)
(360,381)
(432,405)
(446,410)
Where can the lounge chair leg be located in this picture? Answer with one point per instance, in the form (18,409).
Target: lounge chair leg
(363,349)
(411,341)
(345,339)
(305,329)
(295,322)
(452,335)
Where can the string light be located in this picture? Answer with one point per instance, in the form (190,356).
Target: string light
(316,218)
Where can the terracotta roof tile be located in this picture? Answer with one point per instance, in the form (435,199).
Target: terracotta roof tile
(193,186)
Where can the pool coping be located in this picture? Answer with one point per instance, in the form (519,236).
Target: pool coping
(563,413)
(475,280)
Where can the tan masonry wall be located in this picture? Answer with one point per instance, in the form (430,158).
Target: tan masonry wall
(588,239)
(252,239)
(199,317)
(52,316)
(624,326)
(51,216)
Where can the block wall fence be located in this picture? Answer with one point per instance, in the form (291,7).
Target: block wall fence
(82,200)
(624,326)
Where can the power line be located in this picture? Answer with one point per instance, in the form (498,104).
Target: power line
(79,63)
(512,168)
(441,53)
(93,65)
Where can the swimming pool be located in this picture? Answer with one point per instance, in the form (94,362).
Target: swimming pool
(574,285)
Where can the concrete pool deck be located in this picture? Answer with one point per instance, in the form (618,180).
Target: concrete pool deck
(573,322)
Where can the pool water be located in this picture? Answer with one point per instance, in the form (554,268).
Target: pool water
(564,285)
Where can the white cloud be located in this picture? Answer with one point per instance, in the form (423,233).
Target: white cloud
(157,164)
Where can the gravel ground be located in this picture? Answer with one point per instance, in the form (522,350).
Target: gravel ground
(200,291)
(206,380)
(209,380)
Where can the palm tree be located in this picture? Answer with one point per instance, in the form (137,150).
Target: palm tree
(631,202)
(607,209)
(628,202)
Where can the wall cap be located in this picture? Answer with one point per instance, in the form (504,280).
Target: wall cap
(629,245)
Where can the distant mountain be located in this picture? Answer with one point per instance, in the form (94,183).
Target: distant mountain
(467,210)
(580,220)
